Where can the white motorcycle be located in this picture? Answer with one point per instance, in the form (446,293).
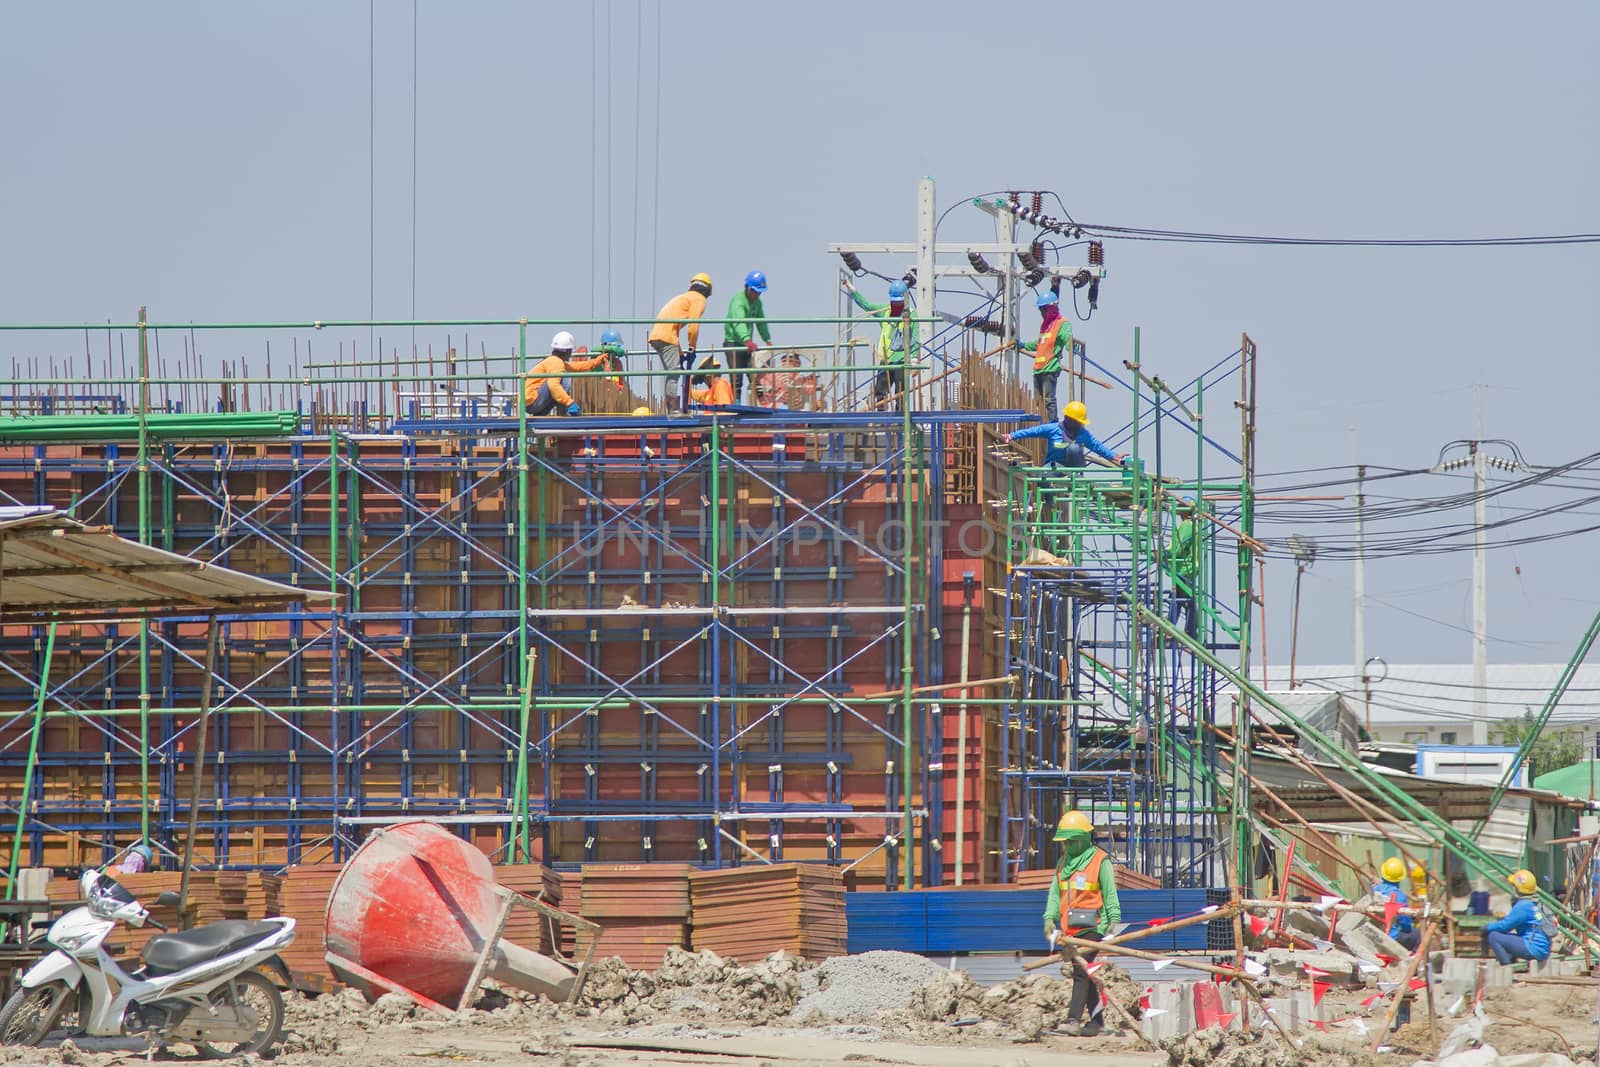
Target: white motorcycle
(200,987)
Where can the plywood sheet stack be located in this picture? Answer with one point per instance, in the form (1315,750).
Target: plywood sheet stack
(643,910)
(750,912)
(571,900)
(245,894)
(526,927)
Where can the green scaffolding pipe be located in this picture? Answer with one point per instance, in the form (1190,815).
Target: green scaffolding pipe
(144,539)
(1437,831)
(33,762)
(156,426)
(339,324)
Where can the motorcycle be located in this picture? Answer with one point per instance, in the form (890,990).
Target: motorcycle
(201,987)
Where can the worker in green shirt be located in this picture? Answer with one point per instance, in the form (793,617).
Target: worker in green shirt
(1183,563)
(897,336)
(1055,341)
(746,318)
(1083,903)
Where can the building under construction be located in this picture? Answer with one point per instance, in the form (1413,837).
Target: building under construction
(818,629)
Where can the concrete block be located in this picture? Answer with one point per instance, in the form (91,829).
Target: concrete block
(1473,1057)
(1288,962)
(1365,940)
(1175,1002)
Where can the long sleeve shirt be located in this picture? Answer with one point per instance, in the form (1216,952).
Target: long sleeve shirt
(1183,554)
(1050,347)
(895,337)
(715,394)
(1384,892)
(1056,436)
(689,305)
(1526,920)
(549,373)
(745,316)
(1110,908)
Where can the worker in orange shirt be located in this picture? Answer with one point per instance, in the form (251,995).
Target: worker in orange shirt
(544,393)
(666,337)
(709,388)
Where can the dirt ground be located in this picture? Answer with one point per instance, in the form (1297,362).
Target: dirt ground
(874,1009)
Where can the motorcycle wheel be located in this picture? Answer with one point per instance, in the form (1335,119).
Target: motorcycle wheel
(30,1014)
(256,991)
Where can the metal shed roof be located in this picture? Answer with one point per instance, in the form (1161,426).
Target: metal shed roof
(52,564)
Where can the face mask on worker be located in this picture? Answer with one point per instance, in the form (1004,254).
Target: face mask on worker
(1075,845)
(1048,314)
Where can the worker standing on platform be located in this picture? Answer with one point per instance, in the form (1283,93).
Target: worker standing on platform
(544,393)
(1389,891)
(746,318)
(1524,934)
(1068,439)
(709,388)
(1183,563)
(666,336)
(1054,343)
(897,337)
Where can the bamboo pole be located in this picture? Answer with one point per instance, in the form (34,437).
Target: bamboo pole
(1405,984)
(197,768)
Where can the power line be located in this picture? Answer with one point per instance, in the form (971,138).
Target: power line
(1198,237)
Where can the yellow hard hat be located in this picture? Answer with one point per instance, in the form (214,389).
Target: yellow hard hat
(1393,869)
(1077,412)
(1418,875)
(703,279)
(1523,882)
(641,411)
(1073,822)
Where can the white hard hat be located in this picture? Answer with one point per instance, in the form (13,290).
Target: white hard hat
(563,342)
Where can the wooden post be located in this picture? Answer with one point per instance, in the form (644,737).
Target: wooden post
(197,770)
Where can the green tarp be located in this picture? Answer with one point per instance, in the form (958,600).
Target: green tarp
(94,429)
(1581,780)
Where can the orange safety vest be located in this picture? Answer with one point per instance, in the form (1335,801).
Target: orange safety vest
(1081,889)
(718,394)
(1046,352)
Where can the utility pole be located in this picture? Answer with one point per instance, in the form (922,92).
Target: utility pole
(1361,601)
(1480,603)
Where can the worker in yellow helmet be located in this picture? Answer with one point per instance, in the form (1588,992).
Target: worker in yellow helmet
(1083,903)
(1525,932)
(1419,881)
(667,335)
(1069,440)
(1401,929)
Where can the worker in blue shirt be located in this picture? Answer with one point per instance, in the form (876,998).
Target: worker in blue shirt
(1068,439)
(1524,934)
(1402,929)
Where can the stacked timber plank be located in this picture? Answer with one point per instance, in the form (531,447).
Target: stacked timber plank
(246,894)
(1126,879)
(302,893)
(526,927)
(750,912)
(643,910)
(571,900)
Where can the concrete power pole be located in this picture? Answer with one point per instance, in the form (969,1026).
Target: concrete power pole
(1480,602)
(1361,602)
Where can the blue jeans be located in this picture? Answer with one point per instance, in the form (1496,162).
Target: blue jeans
(1411,938)
(1507,947)
(543,402)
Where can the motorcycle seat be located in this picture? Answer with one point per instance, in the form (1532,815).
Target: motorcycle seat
(166,953)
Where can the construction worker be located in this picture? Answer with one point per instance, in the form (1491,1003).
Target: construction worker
(897,336)
(544,392)
(1524,934)
(1419,881)
(1183,562)
(1069,439)
(1083,903)
(137,859)
(1055,341)
(746,318)
(1392,870)
(710,389)
(666,336)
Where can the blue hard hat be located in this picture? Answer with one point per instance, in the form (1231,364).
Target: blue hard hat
(143,850)
(756,280)
(897,291)
(1047,298)
(611,337)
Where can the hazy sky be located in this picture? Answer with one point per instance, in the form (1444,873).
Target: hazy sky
(213,161)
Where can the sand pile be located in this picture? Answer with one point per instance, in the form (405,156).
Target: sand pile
(1259,1048)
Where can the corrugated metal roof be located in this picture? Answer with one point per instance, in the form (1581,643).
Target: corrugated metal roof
(1442,694)
(51,563)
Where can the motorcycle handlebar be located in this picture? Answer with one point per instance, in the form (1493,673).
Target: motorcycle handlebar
(156,923)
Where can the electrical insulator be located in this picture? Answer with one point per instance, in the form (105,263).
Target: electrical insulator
(1028,260)
(1097,254)
(1038,202)
(852,261)
(910,278)
(1081,279)
(1035,276)
(1015,200)
(978,262)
